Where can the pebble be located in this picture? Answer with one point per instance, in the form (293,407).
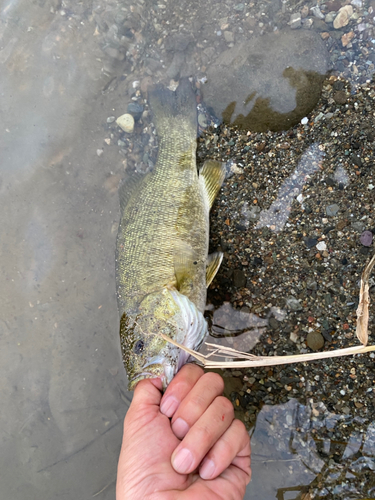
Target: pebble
(239,278)
(317,12)
(310,242)
(305,120)
(295,21)
(135,110)
(293,304)
(99,152)
(343,16)
(340,97)
(330,17)
(347,38)
(274,324)
(229,36)
(366,238)
(111,119)
(331,210)
(321,246)
(126,122)
(315,340)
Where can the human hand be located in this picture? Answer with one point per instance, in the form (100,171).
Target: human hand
(201,453)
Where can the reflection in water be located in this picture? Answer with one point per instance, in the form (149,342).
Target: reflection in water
(234,328)
(276,216)
(315,453)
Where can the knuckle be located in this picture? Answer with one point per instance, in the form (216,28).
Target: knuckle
(225,404)
(216,381)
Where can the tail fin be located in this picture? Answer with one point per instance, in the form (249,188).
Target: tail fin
(168,107)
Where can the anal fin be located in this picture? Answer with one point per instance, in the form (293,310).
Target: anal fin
(213,264)
(212,174)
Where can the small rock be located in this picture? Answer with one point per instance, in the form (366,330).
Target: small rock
(341,224)
(312,285)
(274,324)
(357,160)
(315,340)
(229,36)
(202,120)
(330,17)
(293,304)
(126,122)
(317,12)
(343,16)
(347,38)
(310,242)
(321,246)
(135,110)
(340,97)
(358,226)
(295,21)
(239,278)
(366,238)
(304,11)
(331,210)
(305,120)
(239,7)
(111,119)
(99,152)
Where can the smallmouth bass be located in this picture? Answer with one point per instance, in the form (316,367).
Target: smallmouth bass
(162,262)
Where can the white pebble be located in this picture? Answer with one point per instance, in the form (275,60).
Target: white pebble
(370,187)
(300,198)
(99,152)
(126,122)
(321,246)
(305,120)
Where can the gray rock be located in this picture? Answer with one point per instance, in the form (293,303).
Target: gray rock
(270,83)
(293,304)
(357,226)
(295,21)
(239,278)
(331,210)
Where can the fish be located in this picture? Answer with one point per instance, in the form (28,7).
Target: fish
(162,264)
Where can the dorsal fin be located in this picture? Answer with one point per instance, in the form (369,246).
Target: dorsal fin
(212,174)
(213,264)
(127,187)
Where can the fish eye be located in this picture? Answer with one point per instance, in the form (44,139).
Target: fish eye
(138,347)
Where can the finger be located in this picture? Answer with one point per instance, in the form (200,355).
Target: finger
(178,389)
(203,435)
(233,447)
(146,393)
(204,392)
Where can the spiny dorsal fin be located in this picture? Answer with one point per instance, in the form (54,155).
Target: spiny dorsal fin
(212,267)
(212,174)
(127,187)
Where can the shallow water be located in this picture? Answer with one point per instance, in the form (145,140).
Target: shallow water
(65,68)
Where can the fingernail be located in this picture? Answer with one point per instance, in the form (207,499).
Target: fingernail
(180,428)
(168,406)
(183,461)
(207,469)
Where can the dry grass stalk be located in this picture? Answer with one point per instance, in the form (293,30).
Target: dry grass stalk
(364,301)
(251,360)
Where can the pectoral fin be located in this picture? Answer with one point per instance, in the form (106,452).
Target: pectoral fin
(213,264)
(212,174)
(127,187)
(184,264)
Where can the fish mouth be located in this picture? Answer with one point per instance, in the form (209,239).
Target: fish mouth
(154,368)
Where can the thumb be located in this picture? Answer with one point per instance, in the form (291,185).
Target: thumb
(147,393)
